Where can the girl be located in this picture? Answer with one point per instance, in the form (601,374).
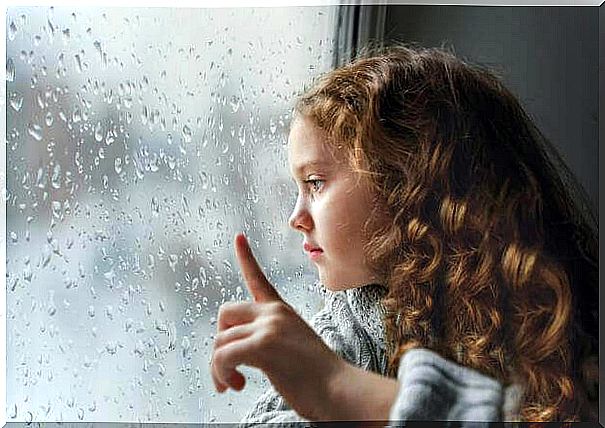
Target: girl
(461,273)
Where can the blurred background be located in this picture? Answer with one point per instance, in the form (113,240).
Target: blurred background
(140,141)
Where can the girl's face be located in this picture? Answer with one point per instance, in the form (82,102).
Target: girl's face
(330,209)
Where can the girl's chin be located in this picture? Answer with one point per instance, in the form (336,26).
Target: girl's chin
(335,285)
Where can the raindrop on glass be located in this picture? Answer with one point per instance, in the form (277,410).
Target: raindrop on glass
(35,131)
(48,119)
(12,31)
(78,61)
(98,132)
(172,260)
(118,165)
(10,70)
(16,101)
(56,177)
(111,347)
(155,206)
(13,413)
(187,136)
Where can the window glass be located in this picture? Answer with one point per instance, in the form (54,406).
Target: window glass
(139,141)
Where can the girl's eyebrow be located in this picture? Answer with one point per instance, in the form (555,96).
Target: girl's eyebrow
(301,168)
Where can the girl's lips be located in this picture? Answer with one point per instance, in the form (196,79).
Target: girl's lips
(315,254)
(309,247)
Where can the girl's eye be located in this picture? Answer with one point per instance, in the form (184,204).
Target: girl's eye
(316,185)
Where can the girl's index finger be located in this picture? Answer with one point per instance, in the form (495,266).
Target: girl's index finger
(256,281)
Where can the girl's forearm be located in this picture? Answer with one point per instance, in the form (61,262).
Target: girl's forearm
(357,394)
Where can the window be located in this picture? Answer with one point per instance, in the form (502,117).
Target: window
(139,141)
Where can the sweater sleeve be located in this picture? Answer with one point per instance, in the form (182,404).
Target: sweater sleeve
(433,388)
(272,408)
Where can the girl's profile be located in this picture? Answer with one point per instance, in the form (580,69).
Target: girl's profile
(457,252)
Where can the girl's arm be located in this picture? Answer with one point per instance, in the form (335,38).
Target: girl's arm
(358,394)
(428,387)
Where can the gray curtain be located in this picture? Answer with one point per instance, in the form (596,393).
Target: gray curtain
(359,26)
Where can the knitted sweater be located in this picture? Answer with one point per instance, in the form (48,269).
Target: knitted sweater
(430,387)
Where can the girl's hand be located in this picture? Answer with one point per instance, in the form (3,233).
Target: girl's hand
(268,334)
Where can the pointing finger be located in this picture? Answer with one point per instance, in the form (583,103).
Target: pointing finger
(256,281)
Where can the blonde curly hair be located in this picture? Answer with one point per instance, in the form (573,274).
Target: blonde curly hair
(489,260)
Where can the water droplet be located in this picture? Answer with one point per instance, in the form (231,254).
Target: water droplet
(35,131)
(91,311)
(46,256)
(48,119)
(27,273)
(12,31)
(172,260)
(139,349)
(109,312)
(10,70)
(56,177)
(111,347)
(118,165)
(272,126)
(171,162)
(234,102)
(76,115)
(13,413)
(97,46)
(16,101)
(155,206)
(78,63)
(98,132)
(187,135)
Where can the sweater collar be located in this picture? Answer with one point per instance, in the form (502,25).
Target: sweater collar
(365,303)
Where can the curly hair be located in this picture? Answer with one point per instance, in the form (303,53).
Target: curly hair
(491,257)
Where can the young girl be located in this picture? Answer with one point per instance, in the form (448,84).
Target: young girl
(461,273)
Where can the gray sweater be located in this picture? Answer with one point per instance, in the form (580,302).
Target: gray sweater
(430,387)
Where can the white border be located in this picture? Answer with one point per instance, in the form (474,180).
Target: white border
(165,3)
(285,3)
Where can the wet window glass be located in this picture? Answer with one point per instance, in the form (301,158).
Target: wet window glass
(139,141)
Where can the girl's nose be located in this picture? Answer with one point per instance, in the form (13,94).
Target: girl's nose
(300,219)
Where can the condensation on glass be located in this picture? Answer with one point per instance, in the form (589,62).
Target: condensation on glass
(139,141)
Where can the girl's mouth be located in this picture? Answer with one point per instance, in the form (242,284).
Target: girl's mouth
(315,254)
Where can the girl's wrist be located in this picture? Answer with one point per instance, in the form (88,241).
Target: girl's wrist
(358,394)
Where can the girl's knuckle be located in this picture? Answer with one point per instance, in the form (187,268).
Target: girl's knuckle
(269,336)
(220,357)
(225,308)
(219,340)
